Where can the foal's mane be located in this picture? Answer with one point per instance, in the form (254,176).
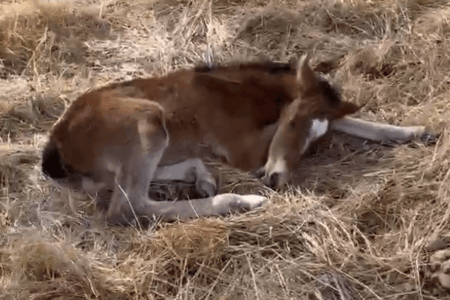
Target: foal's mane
(271,67)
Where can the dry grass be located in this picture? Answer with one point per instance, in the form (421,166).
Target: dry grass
(362,216)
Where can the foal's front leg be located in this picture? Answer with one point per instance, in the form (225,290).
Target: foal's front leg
(191,170)
(379,132)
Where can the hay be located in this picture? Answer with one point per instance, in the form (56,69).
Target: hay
(36,34)
(366,221)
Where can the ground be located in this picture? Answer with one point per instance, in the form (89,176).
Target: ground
(365,218)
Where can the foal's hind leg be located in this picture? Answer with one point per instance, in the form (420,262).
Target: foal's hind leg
(138,166)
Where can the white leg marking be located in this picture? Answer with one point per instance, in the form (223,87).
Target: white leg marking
(224,203)
(254,201)
(219,205)
(377,132)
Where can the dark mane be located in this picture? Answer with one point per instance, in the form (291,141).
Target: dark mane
(270,67)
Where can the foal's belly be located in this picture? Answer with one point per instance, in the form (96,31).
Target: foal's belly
(247,150)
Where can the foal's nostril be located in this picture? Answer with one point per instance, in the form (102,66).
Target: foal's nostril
(271,180)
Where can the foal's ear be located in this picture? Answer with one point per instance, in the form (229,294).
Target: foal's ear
(347,108)
(306,78)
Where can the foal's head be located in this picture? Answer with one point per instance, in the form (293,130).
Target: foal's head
(302,122)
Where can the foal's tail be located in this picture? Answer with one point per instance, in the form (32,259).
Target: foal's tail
(52,164)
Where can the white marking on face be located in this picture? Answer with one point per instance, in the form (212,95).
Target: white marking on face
(318,129)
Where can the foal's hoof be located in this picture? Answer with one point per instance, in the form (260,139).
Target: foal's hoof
(426,138)
(271,180)
(276,181)
(429,138)
(206,187)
